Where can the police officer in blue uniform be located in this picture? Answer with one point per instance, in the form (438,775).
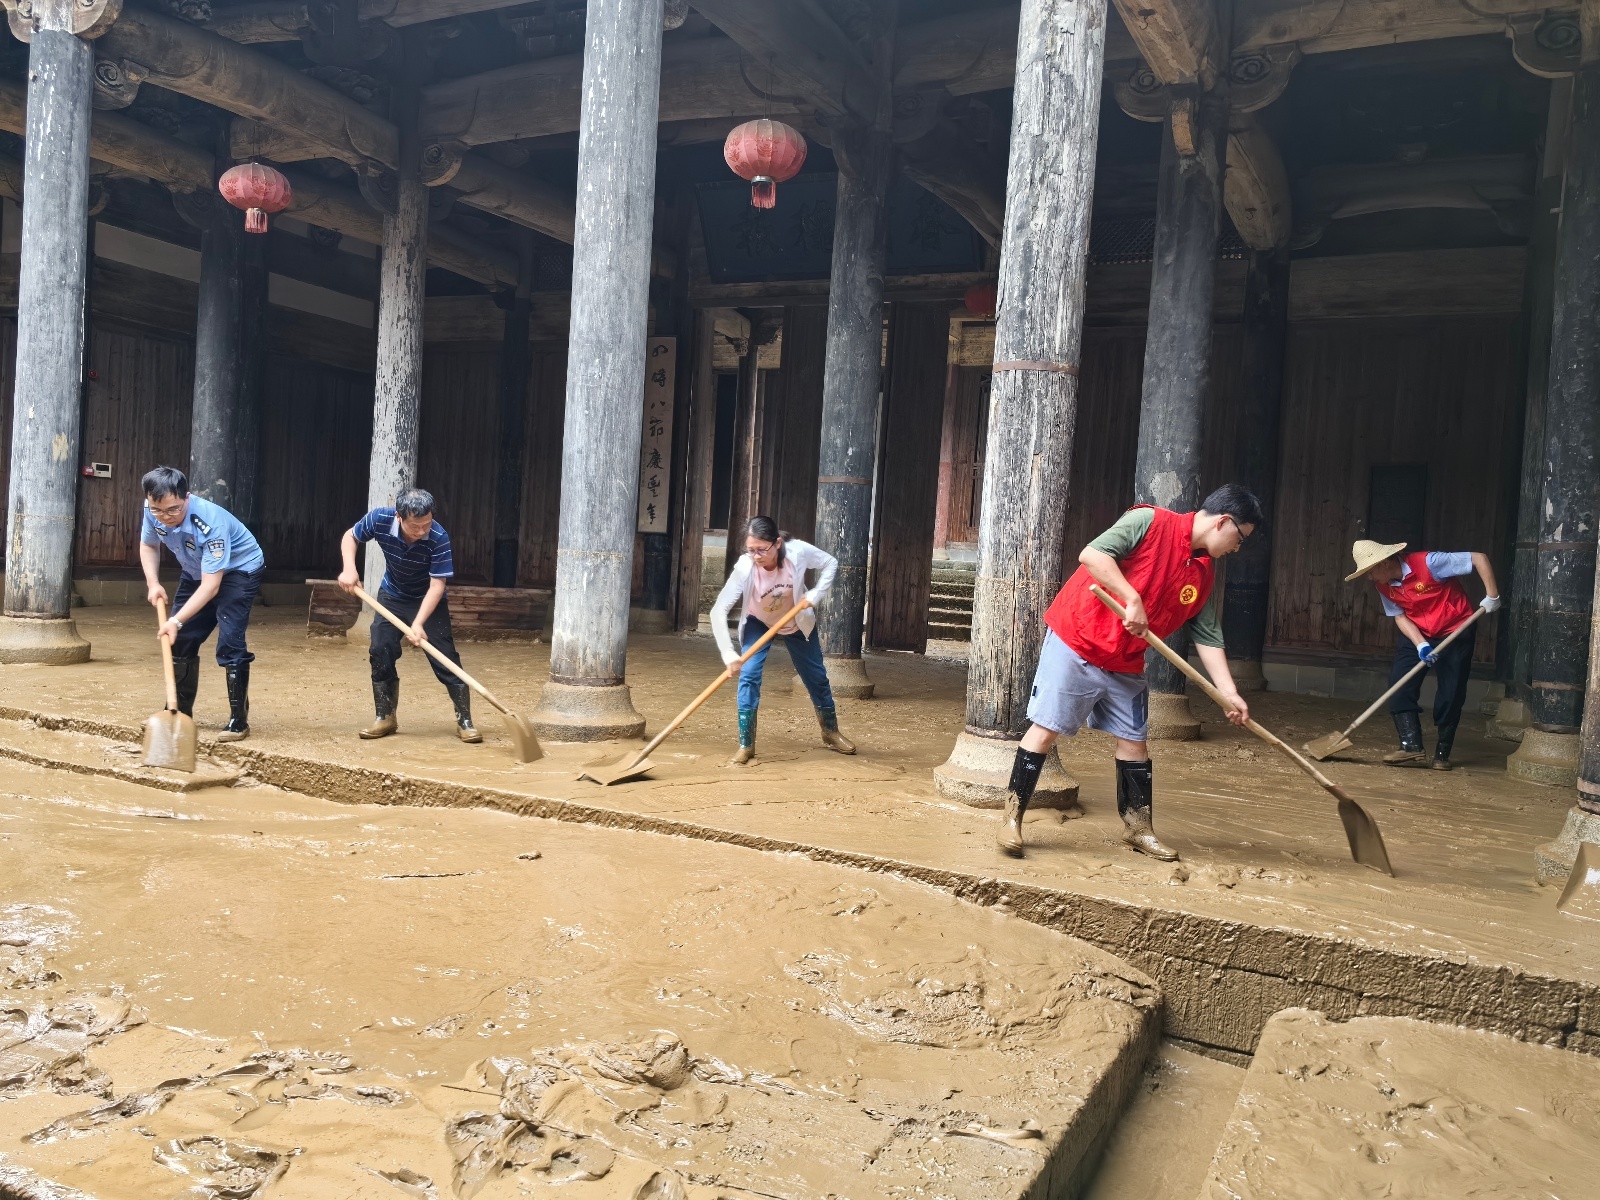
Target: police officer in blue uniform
(221,565)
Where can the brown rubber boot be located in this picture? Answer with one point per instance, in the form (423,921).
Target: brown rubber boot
(828,718)
(385,698)
(1009,838)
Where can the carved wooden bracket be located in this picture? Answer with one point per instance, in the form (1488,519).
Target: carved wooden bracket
(1255,79)
(380,188)
(203,210)
(441,161)
(86,18)
(116,83)
(1546,44)
(917,112)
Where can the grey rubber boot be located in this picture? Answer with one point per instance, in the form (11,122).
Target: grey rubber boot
(385,699)
(1136,806)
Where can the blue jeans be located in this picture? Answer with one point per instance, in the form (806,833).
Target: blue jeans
(804,652)
(228,613)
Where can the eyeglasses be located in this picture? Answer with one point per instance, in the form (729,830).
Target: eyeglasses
(1236,528)
(169,510)
(760,551)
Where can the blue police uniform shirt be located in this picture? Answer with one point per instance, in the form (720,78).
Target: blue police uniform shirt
(208,539)
(411,565)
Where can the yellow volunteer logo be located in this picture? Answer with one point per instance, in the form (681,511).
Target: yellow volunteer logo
(1422,587)
(1188,595)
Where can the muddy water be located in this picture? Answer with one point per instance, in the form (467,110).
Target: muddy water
(247,991)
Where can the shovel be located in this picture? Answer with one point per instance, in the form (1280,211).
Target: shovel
(1581,896)
(1332,743)
(636,767)
(1366,842)
(525,745)
(169,736)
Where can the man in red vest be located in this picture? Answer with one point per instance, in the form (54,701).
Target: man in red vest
(1161,566)
(1420,592)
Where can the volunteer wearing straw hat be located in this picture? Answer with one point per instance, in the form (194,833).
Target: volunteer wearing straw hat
(1419,590)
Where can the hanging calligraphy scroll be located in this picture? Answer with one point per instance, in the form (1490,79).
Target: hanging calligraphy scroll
(655,448)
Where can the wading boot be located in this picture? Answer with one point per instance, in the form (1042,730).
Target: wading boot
(828,718)
(747,738)
(461,697)
(1135,786)
(1025,771)
(1409,726)
(238,726)
(385,699)
(187,673)
(1441,751)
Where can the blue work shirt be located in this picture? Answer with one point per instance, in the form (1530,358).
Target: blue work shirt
(208,539)
(411,565)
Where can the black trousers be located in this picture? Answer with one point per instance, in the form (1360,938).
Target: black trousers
(228,613)
(1451,674)
(387,641)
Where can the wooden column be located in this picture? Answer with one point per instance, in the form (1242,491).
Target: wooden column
(1177,356)
(850,396)
(397,383)
(516,364)
(1249,572)
(694,513)
(741,488)
(908,475)
(37,626)
(1513,713)
(218,330)
(1568,510)
(252,379)
(587,697)
(1038,333)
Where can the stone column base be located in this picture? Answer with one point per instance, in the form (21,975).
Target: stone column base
(1171,720)
(847,676)
(978,772)
(1247,674)
(1492,695)
(1552,862)
(649,620)
(1550,758)
(568,713)
(50,641)
(1510,720)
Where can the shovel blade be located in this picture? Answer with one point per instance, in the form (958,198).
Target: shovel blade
(170,741)
(1366,842)
(621,771)
(524,742)
(1581,896)
(1328,744)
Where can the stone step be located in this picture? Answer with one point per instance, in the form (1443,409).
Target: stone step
(950,633)
(952,589)
(950,616)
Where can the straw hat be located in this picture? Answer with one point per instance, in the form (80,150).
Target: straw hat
(1370,554)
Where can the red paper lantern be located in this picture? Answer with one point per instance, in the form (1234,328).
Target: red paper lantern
(982,299)
(256,188)
(766,153)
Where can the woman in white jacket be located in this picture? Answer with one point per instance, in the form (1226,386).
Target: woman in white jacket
(768,580)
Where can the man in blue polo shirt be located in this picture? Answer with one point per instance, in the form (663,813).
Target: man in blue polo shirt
(416,551)
(221,567)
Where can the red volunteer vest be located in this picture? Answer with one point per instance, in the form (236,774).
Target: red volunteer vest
(1172,581)
(1435,606)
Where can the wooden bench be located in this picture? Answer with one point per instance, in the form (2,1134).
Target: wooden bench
(477,614)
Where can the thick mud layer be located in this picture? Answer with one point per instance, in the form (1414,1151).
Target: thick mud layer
(1386,1107)
(205,994)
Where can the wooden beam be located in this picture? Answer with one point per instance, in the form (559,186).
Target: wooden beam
(1179,39)
(952,165)
(285,20)
(806,53)
(1255,188)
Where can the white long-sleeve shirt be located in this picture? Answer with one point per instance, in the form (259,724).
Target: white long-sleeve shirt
(805,557)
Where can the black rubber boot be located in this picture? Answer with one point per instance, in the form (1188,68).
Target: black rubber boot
(1025,771)
(1441,749)
(385,699)
(238,726)
(747,738)
(1409,726)
(187,672)
(461,697)
(1136,807)
(828,718)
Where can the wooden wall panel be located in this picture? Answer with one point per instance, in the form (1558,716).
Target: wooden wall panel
(8,374)
(316,440)
(457,449)
(969,432)
(792,431)
(1359,393)
(136,415)
(908,476)
(541,486)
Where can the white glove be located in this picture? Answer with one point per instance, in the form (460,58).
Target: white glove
(1490,604)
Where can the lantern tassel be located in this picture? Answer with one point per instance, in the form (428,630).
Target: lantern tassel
(763,193)
(255,221)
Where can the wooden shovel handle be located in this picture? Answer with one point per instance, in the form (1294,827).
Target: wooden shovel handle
(1205,685)
(721,679)
(167,671)
(438,656)
(1406,678)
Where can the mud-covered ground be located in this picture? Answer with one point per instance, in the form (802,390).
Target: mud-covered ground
(203,995)
(1260,842)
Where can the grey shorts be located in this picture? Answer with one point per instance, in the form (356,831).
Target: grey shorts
(1069,693)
